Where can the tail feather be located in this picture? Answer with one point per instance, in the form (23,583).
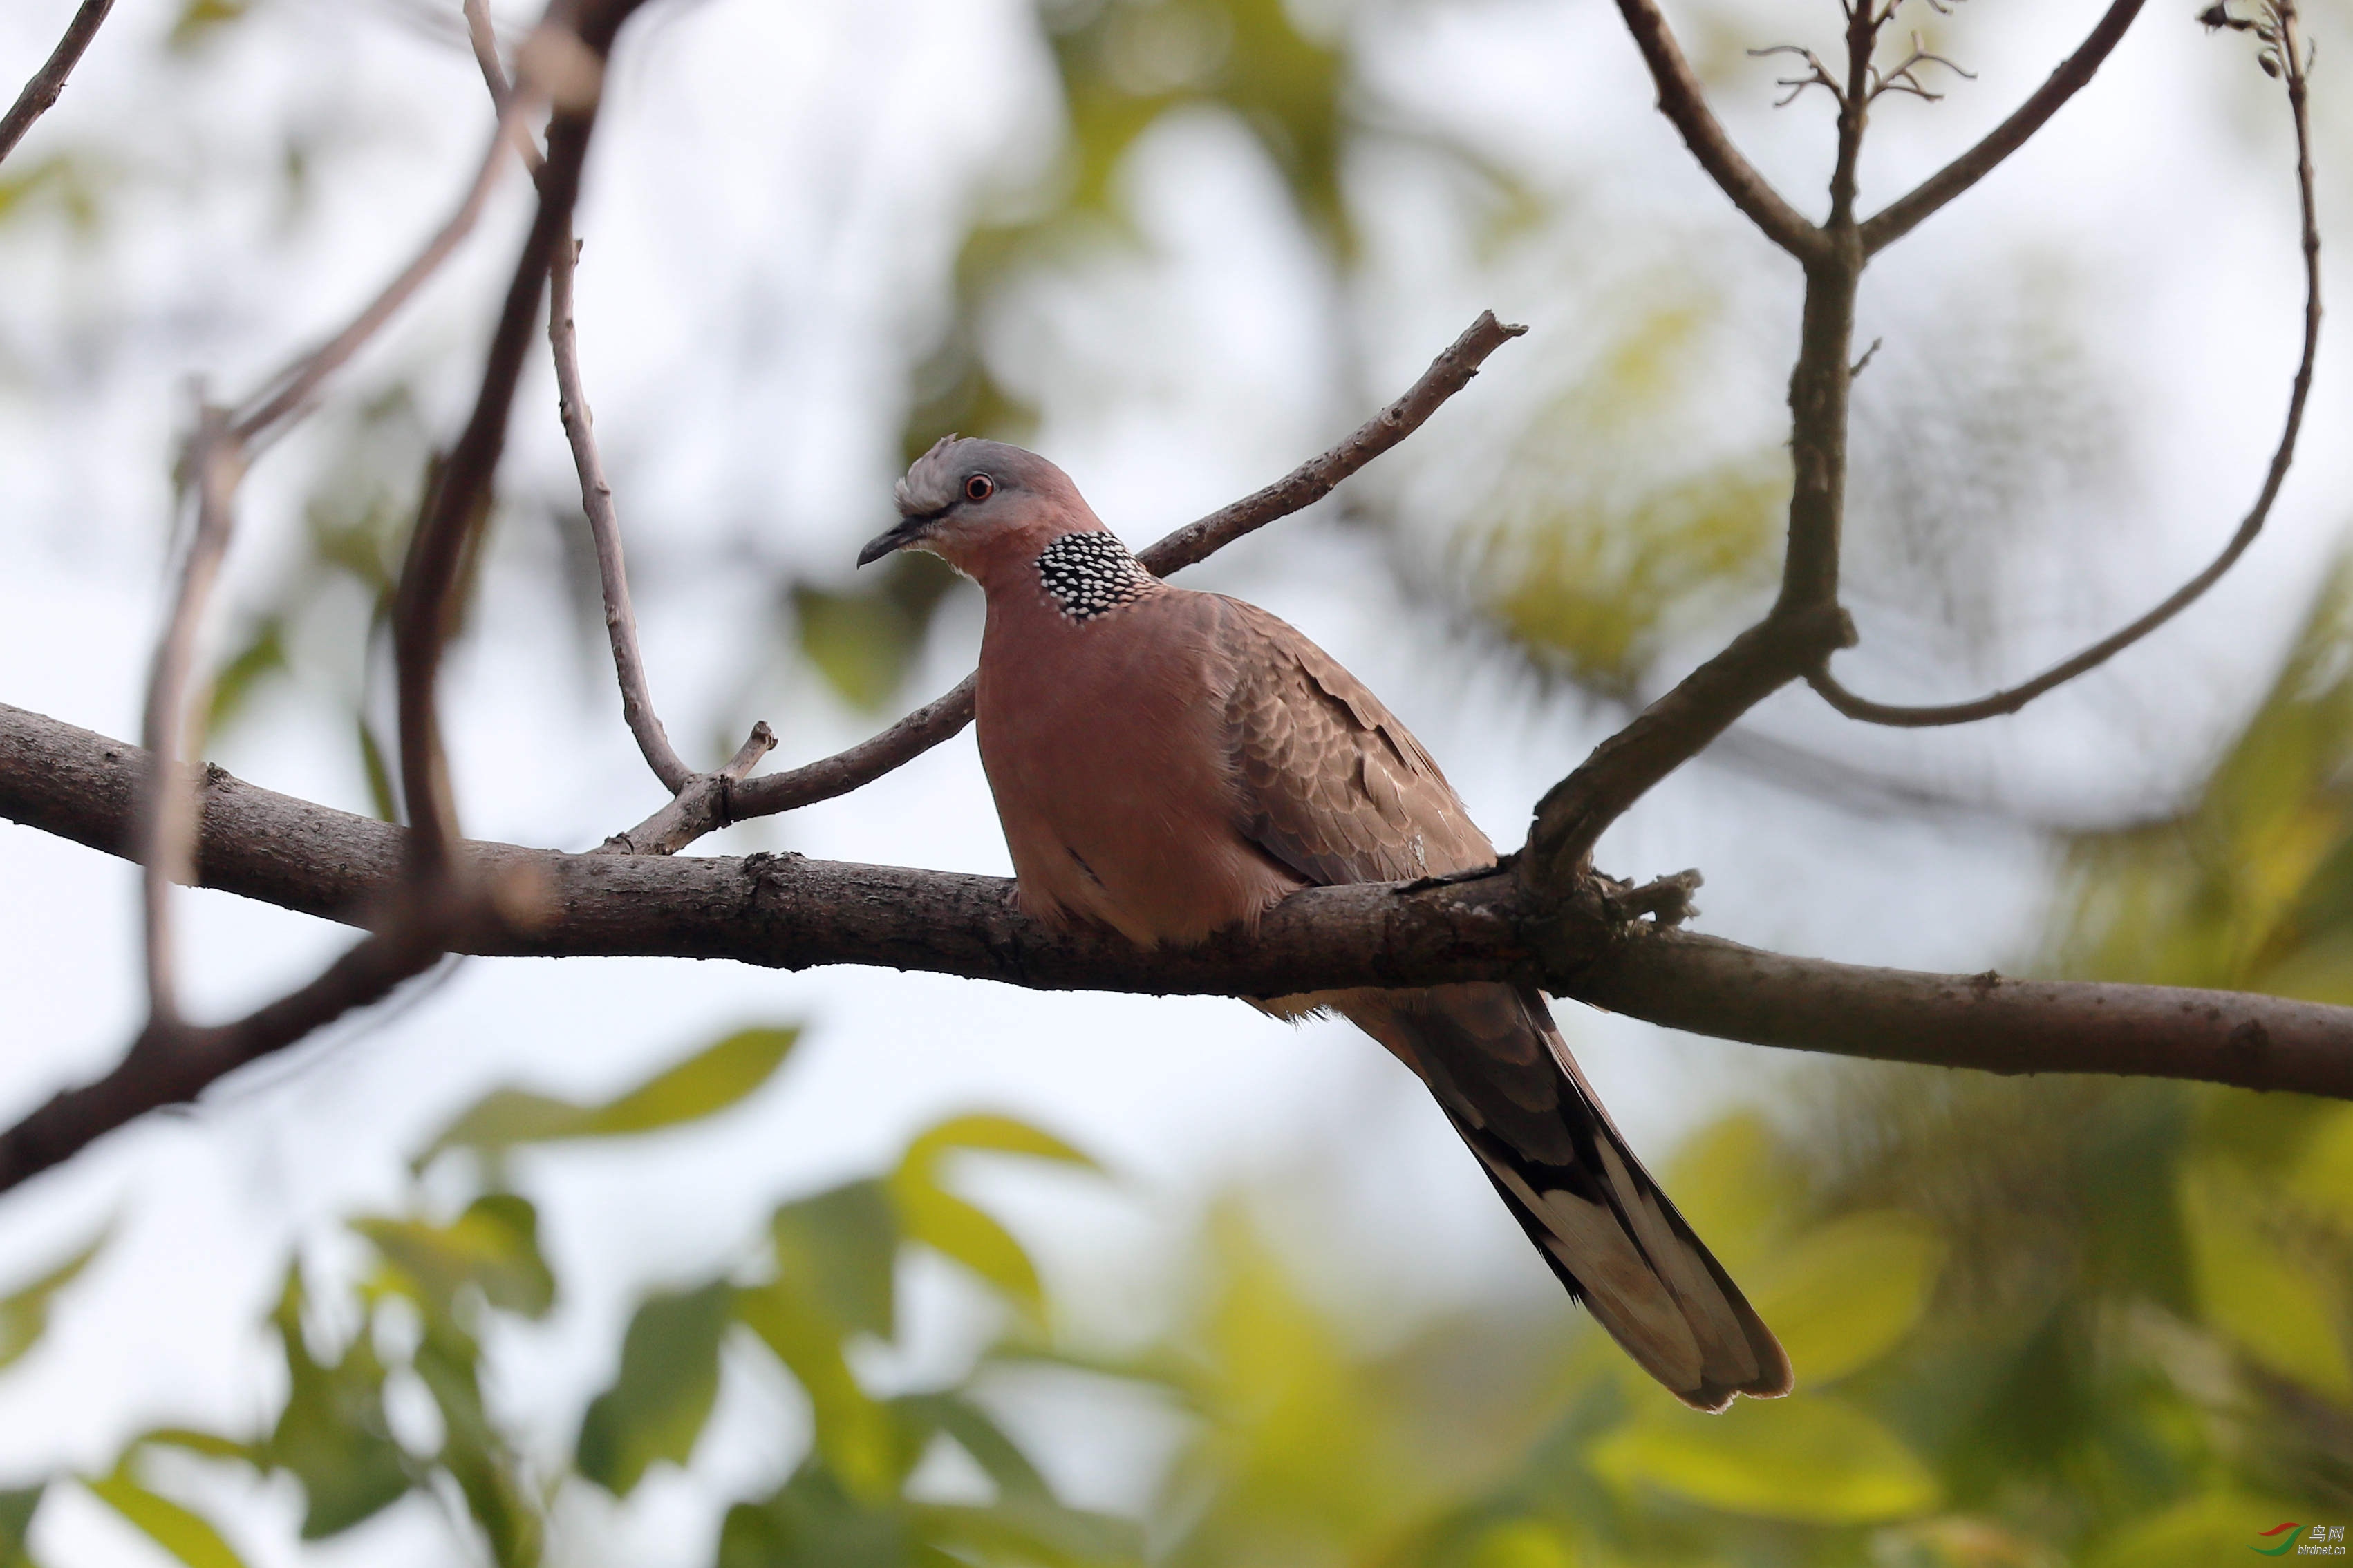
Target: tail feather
(1490,1054)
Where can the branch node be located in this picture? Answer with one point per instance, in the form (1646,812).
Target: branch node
(1667,900)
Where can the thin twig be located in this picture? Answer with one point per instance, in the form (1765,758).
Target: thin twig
(1900,217)
(51,80)
(485,42)
(605,527)
(1817,73)
(940,720)
(705,805)
(2011,699)
(168,826)
(1903,77)
(603,521)
(1684,103)
(425,605)
(288,390)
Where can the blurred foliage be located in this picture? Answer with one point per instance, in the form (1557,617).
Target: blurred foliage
(2251,887)
(824,1281)
(1600,539)
(25,1313)
(2034,1322)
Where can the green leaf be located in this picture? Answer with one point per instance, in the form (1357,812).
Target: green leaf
(211,1445)
(186,1535)
(1521,1543)
(812,1522)
(493,1246)
(705,1083)
(978,1435)
(2276,1309)
(25,1315)
(999,1134)
(263,654)
(930,1214)
(1808,1457)
(664,1391)
(2323,1174)
(332,1436)
(973,1237)
(856,1437)
(1736,1185)
(842,1247)
(2198,1533)
(378,772)
(1030,1529)
(199,19)
(17,1509)
(1844,1294)
(864,641)
(475,1455)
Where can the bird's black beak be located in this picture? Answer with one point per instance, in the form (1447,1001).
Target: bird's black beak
(899,538)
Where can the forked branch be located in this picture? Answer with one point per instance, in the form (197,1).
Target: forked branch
(1900,217)
(1682,101)
(2286,49)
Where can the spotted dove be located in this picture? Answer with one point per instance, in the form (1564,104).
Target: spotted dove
(1168,762)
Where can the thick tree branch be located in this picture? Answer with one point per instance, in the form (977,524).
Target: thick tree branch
(1572,815)
(1900,217)
(1682,100)
(51,80)
(1989,1022)
(786,912)
(2009,699)
(945,718)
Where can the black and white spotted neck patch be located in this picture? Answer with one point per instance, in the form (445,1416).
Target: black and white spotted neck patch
(1088,575)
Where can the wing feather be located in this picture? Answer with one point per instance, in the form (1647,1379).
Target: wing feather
(1331,784)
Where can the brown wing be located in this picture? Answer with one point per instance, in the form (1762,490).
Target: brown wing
(1331,784)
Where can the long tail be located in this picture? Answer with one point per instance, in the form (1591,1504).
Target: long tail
(1491,1055)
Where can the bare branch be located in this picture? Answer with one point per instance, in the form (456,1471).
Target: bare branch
(169,1064)
(1903,78)
(425,602)
(437,903)
(1572,815)
(783,912)
(604,528)
(1684,103)
(1310,482)
(705,805)
(1989,1022)
(1817,75)
(1899,219)
(2011,699)
(485,43)
(167,829)
(287,392)
(51,80)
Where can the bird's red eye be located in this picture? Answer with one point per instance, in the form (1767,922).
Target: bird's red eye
(980,487)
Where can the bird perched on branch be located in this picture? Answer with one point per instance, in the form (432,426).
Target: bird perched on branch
(1168,762)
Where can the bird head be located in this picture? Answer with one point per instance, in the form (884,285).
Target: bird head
(974,503)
